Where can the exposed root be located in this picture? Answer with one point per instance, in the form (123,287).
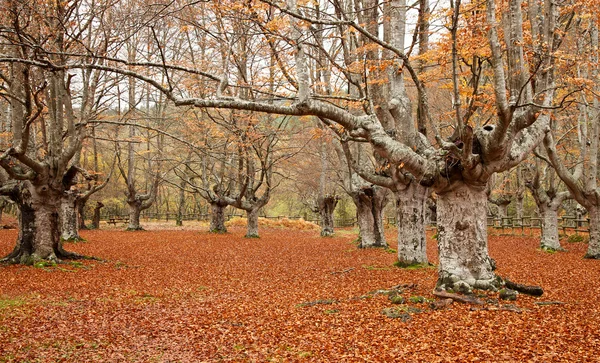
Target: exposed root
(592,257)
(453,283)
(134,229)
(466,299)
(524,289)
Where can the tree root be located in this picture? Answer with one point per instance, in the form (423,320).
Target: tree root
(465,299)
(524,289)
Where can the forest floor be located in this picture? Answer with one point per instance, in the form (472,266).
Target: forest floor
(191,296)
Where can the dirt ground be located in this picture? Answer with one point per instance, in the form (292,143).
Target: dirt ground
(190,296)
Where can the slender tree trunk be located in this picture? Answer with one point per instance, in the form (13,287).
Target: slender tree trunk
(181,204)
(593,251)
(327,205)
(217,218)
(503,210)
(462,240)
(134,217)
(252,226)
(410,221)
(549,238)
(369,212)
(96,218)
(69,230)
(519,207)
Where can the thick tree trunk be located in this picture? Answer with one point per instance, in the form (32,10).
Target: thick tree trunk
(96,218)
(410,221)
(549,239)
(462,240)
(594,243)
(69,230)
(327,205)
(39,226)
(370,202)
(252,224)
(134,217)
(217,218)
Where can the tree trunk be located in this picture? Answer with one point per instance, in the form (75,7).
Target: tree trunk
(252,224)
(549,238)
(327,205)
(96,219)
(593,251)
(80,205)
(181,205)
(69,230)
(519,207)
(39,226)
(370,202)
(134,217)
(410,221)
(217,218)
(462,240)
(502,211)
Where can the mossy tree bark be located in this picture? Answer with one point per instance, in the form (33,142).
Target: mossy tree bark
(217,217)
(39,226)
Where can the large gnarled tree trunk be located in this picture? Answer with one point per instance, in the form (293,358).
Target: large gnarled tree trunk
(462,240)
(39,226)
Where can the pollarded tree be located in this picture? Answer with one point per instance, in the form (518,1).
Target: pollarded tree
(47,131)
(410,204)
(582,179)
(548,198)
(369,199)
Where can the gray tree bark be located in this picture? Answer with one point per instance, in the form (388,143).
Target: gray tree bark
(593,251)
(252,220)
(549,239)
(370,202)
(410,208)
(462,240)
(68,217)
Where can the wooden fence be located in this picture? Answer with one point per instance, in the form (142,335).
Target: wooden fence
(507,225)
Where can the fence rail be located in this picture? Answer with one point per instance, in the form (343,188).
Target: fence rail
(504,225)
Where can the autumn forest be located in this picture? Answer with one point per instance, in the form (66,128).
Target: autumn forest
(299,180)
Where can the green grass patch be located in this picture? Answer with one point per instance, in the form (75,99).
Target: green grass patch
(6,303)
(413,266)
(575,238)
